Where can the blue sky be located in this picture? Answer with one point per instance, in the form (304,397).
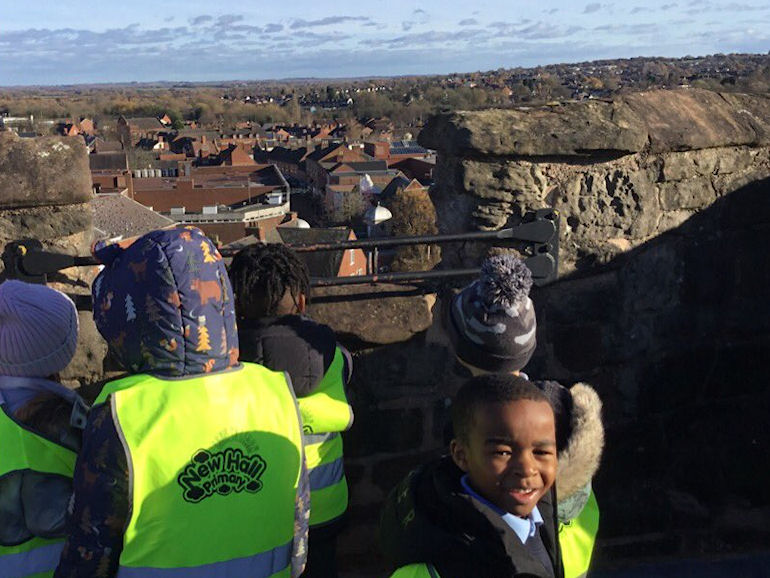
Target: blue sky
(70,42)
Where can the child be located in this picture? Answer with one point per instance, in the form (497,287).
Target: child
(191,464)
(488,509)
(40,425)
(271,285)
(492,326)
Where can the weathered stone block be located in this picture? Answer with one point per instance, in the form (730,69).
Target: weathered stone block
(672,219)
(734,160)
(678,120)
(611,201)
(67,229)
(491,216)
(688,194)
(387,372)
(746,207)
(651,279)
(574,301)
(373,314)
(387,473)
(43,171)
(678,166)
(504,181)
(378,430)
(86,365)
(754,110)
(725,184)
(47,224)
(580,347)
(576,129)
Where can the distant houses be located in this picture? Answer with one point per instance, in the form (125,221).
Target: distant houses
(236,183)
(343,263)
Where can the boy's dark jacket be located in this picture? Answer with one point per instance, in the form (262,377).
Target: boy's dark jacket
(429,518)
(292,343)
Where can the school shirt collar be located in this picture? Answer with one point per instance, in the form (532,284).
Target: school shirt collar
(524,528)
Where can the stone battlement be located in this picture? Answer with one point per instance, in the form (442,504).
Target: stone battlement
(661,304)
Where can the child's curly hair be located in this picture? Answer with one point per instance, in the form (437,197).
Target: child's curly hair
(262,274)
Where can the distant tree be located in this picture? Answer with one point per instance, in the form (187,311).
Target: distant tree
(350,207)
(593,83)
(177,123)
(373,105)
(414,214)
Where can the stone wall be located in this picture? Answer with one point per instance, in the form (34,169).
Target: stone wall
(45,192)
(661,304)
(619,173)
(671,333)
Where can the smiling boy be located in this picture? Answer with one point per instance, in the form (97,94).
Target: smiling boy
(488,509)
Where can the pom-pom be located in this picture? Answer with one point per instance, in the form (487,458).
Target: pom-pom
(505,281)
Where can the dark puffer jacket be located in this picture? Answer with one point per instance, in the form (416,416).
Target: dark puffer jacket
(429,518)
(292,343)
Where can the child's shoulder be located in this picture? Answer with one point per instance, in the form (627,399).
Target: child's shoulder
(304,323)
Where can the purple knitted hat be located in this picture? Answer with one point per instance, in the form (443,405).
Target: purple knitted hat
(38,330)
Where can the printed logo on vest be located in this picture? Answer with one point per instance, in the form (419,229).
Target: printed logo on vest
(226,472)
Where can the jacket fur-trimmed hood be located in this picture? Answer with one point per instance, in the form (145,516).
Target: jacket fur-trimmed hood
(579,461)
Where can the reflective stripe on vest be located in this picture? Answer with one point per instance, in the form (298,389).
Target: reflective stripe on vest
(214,465)
(326,412)
(416,571)
(25,450)
(326,475)
(577,537)
(262,564)
(35,562)
(322,453)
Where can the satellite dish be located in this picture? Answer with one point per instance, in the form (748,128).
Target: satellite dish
(377,214)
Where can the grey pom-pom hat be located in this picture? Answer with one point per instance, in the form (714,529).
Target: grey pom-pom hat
(492,321)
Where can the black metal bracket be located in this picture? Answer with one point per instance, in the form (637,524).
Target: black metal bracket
(14,254)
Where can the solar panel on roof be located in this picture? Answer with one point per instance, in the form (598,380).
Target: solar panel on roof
(407,150)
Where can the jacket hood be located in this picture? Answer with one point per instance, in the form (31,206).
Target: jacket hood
(579,460)
(164,304)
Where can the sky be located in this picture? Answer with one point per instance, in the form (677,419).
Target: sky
(93,41)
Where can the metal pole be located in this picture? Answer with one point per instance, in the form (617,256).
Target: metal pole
(538,232)
(391,277)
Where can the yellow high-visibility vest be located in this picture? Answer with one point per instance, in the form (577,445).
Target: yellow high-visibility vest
(21,449)
(325,413)
(416,571)
(577,537)
(214,463)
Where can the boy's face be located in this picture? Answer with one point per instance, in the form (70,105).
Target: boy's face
(510,453)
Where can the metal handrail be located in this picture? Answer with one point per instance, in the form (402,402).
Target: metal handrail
(26,260)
